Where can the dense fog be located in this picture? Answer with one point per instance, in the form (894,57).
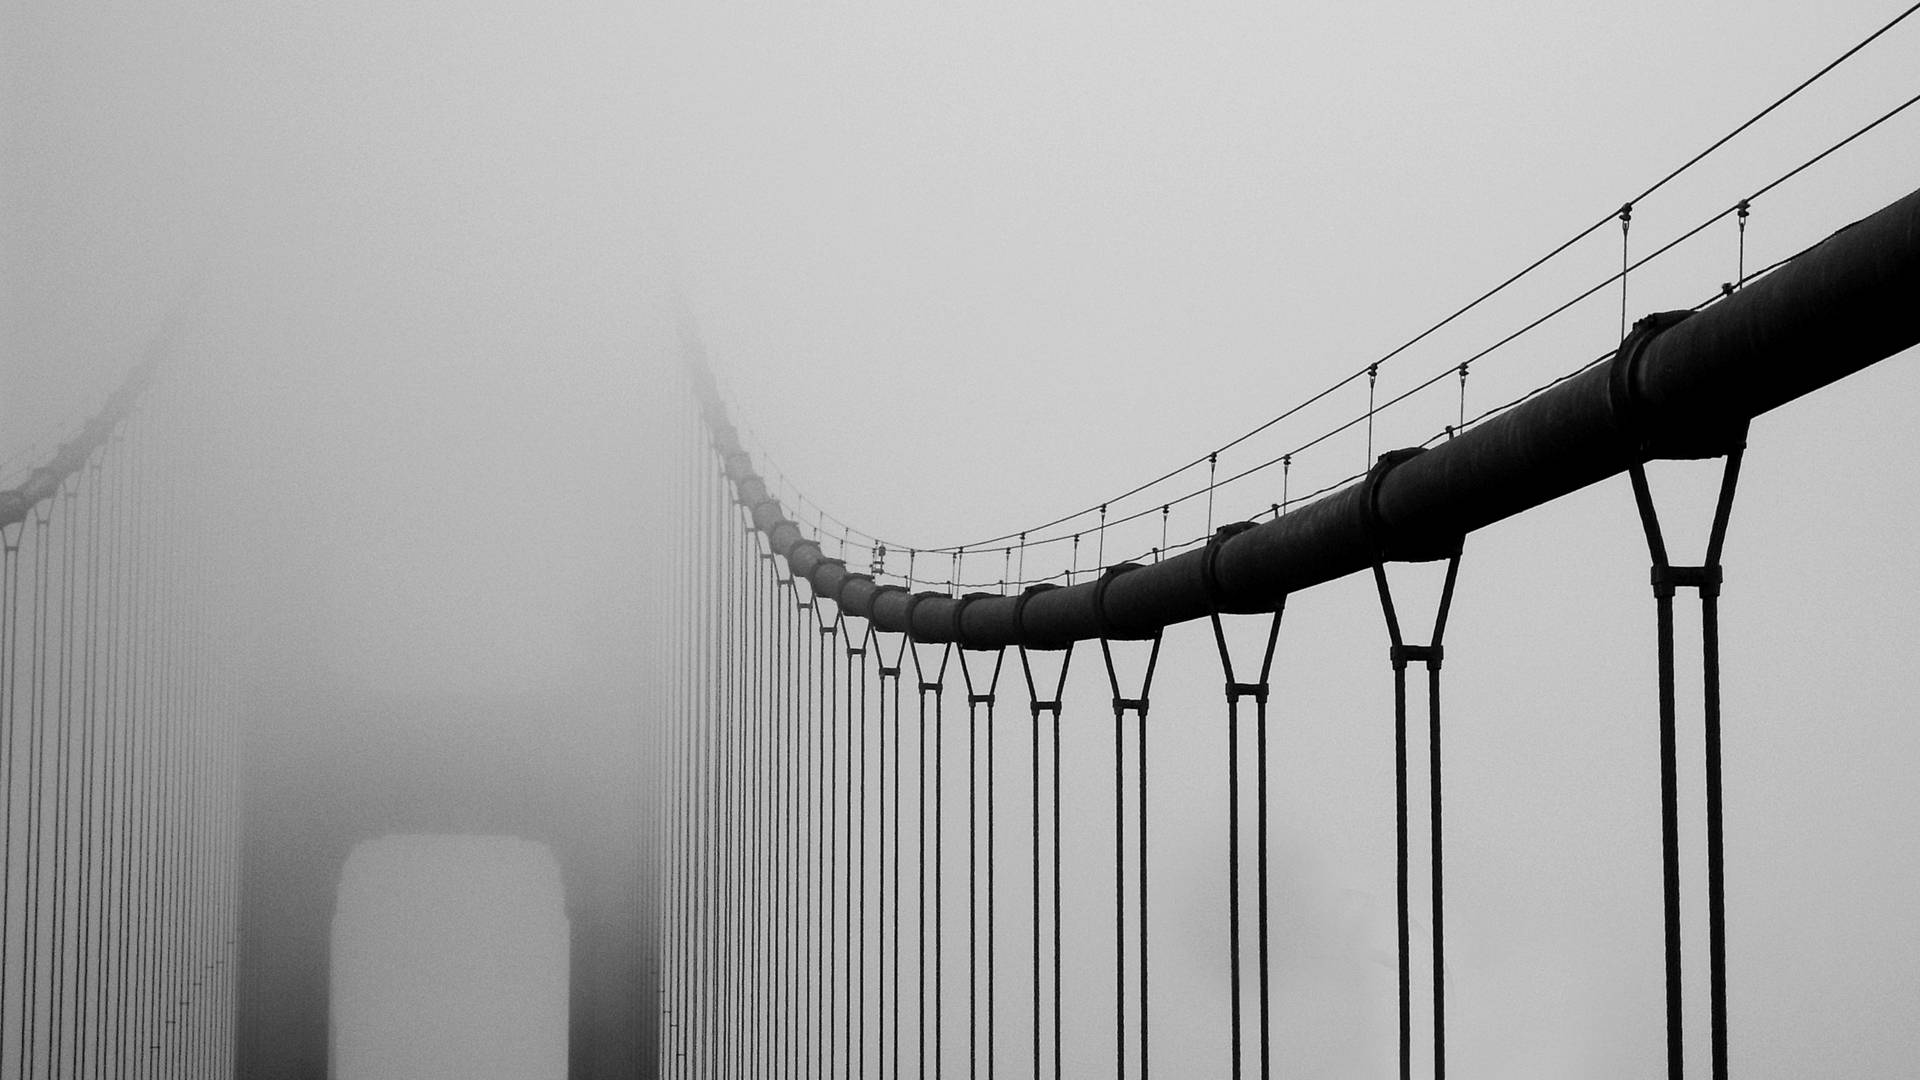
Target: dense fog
(418,276)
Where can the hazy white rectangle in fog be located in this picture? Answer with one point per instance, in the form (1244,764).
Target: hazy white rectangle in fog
(450,960)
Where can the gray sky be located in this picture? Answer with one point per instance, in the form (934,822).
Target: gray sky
(962,269)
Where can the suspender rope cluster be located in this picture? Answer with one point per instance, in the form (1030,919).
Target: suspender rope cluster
(119,763)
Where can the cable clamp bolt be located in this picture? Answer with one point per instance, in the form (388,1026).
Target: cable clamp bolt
(1256,691)
(1402,655)
(1668,578)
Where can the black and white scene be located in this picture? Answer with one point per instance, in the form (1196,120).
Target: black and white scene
(637,540)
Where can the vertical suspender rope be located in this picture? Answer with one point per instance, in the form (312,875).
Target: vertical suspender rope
(973,869)
(998,659)
(1265,849)
(686,794)
(728,1014)
(719,1040)
(977,697)
(766,814)
(859,652)
(131,787)
(9,689)
(890,928)
(1669,832)
(844,832)
(161,892)
(1431,655)
(740,738)
(1038,705)
(779,769)
(758,1013)
(672,1012)
(724,940)
(663,872)
(682,767)
(818,970)
(1121,705)
(746,579)
(1401,654)
(797,691)
(1059,989)
(939,867)
(934,686)
(1641,445)
(69,498)
(825,689)
(830,659)
(992,862)
(809,965)
(762,818)
(179,786)
(809,858)
(752,784)
(690,1018)
(1036,708)
(711,1034)
(162,1002)
(160,746)
(84,1032)
(793,1011)
(140,701)
(1235,690)
(887,1020)
(920,872)
(36,743)
(824,975)
(1707,579)
(849,899)
(1233,860)
(113,831)
(696,1017)
(734,804)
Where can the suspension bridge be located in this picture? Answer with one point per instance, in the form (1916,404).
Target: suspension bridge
(951,809)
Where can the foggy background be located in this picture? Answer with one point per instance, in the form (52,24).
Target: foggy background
(962,269)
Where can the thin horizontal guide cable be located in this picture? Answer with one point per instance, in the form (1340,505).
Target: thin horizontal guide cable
(1448,372)
(1606,219)
(1440,376)
(1302,500)
(1842,306)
